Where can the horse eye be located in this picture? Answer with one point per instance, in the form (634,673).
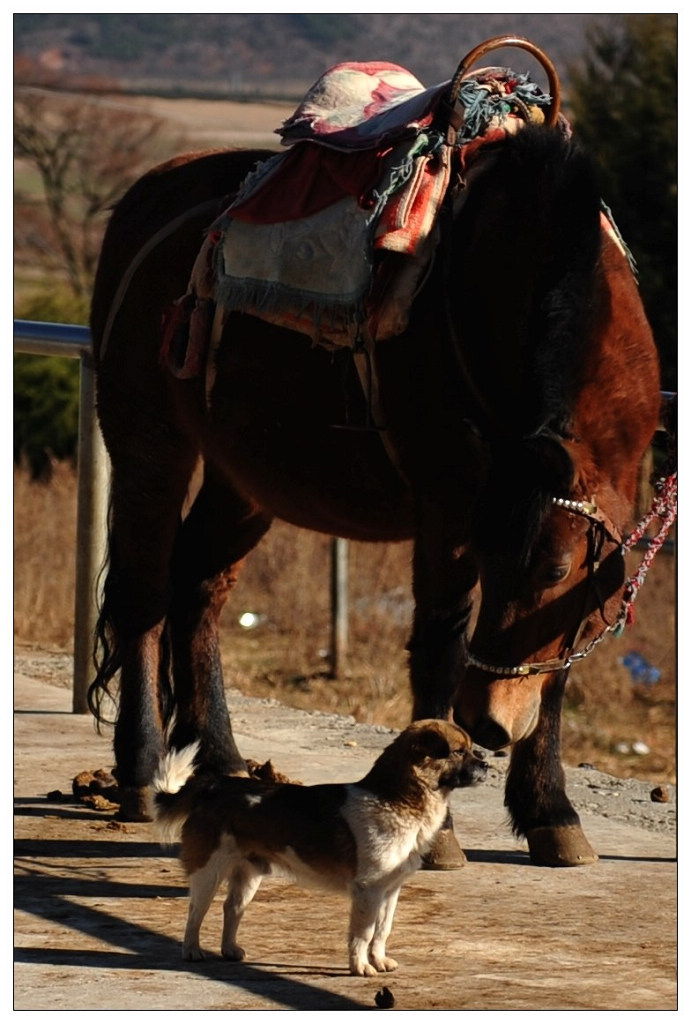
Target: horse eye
(556,573)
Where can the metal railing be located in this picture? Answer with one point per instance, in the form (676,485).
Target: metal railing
(72,341)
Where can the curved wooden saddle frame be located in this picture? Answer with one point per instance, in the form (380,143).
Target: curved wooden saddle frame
(454,110)
(499,42)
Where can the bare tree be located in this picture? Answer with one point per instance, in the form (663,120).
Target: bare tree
(87,151)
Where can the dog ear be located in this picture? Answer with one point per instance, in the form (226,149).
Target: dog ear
(430,743)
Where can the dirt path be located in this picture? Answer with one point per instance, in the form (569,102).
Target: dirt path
(100,908)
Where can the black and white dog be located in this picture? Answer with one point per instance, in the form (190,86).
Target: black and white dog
(365,838)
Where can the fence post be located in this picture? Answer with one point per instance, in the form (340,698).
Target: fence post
(339,605)
(92,497)
(73,341)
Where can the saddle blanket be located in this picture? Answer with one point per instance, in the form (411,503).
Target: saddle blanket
(318,268)
(309,241)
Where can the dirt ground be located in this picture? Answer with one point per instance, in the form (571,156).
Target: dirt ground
(99,907)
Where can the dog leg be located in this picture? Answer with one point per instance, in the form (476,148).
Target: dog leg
(382,929)
(203,886)
(242,885)
(367,909)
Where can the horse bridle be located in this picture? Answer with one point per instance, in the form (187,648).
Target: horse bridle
(601,527)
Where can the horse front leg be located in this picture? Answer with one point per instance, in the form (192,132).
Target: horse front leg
(444,578)
(438,651)
(535,792)
(219,532)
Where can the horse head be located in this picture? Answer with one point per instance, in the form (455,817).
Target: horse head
(552,575)
(568,376)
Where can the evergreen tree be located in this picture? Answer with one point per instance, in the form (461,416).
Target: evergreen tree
(46,411)
(623,105)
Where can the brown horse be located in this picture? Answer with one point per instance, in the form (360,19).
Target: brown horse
(516,406)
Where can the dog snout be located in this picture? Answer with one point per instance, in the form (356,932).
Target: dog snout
(478,769)
(469,771)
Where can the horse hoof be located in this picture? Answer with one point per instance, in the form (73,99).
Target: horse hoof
(445,853)
(560,847)
(135,805)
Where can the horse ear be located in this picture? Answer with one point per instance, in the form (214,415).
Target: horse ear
(555,459)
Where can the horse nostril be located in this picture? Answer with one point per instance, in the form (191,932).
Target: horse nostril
(490,735)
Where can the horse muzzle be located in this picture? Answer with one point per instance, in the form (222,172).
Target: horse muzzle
(498,712)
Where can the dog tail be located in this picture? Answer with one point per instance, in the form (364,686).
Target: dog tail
(171,807)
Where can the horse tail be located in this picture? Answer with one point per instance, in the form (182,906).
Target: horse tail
(107,649)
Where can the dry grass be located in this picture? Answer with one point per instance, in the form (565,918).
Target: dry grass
(286,583)
(45,519)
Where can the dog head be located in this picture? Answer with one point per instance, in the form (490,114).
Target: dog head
(434,753)
(442,754)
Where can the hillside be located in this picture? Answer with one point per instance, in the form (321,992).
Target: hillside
(275,54)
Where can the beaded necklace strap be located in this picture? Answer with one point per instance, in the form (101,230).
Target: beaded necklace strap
(664,508)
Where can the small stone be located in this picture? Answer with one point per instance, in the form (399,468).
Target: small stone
(384,999)
(640,748)
(586,764)
(659,795)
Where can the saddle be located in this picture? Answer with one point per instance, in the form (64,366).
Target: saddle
(334,237)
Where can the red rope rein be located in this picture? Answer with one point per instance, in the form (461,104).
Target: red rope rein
(664,509)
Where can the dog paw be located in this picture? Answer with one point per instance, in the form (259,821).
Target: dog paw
(383,963)
(233,953)
(363,968)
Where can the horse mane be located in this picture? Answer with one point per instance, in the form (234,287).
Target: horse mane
(530,240)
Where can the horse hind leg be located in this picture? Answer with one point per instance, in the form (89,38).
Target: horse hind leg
(145,518)
(220,530)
